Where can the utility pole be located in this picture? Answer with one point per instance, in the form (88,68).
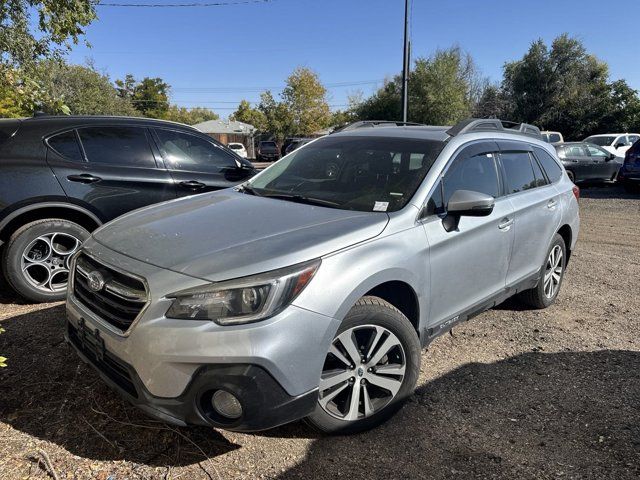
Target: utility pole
(405,64)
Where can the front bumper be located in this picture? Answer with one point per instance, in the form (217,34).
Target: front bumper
(265,404)
(165,365)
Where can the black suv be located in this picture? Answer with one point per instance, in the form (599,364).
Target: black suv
(267,151)
(61,177)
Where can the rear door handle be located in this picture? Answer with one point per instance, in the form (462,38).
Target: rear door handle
(83,178)
(551,204)
(193,185)
(505,224)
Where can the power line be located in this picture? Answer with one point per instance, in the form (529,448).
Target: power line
(181,5)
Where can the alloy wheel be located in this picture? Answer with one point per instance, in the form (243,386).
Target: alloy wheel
(553,272)
(45,261)
(362,373)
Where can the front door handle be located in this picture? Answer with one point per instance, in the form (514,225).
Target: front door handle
(193,185)
(505,224)
(83,178)
(551,204)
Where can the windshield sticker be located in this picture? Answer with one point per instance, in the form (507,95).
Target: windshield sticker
(380,206)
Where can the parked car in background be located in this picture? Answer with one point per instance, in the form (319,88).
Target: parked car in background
(267,151)
(295,144)
(341,261)
(629,175)
(238,149)
(62,177)
(552,137)
(616,143)
(587,162)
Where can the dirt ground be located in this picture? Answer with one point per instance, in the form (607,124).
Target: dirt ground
(514,393)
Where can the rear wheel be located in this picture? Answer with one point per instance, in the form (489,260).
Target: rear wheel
(546,292)
(36,258)
(370,370)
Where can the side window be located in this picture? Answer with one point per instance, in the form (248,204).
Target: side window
(622,139)
(576,151)
(66,145)
(550,166)
(596,152)
(477,173)
(517,166)
(633,138)
(183,151)
(537,173)
(125,146)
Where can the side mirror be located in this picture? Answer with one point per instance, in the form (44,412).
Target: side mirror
(466,203)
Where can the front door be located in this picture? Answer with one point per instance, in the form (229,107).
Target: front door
(603,165)
(197,164)
(111,168)
(469,264)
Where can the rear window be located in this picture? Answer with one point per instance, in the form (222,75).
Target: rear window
(126,146)
(66,145)
(517,166)
(235,146)
(550,166)
(268,144)
(554,138)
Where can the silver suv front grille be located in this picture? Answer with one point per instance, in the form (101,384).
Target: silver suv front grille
(114,296)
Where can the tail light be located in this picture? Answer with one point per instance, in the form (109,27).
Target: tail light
(576,192)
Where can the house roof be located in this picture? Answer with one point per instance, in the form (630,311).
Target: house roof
(225,126)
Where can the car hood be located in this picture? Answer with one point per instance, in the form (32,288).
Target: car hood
(228,234)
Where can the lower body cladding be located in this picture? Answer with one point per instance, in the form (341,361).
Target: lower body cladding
(245,378)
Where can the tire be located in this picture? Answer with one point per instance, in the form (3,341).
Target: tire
(571,175)
(36,258)
(378,324)
(542,296)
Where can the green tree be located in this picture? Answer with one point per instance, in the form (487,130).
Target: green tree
(624,109)
(247,114)
(83,90)
(559,88)
(150,96)
(491,103)
(57,24)
(443,89)
(305,99)
(189,116)
(279,119)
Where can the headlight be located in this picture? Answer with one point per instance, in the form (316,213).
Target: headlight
(243,300)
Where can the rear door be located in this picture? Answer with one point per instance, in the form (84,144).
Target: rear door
(536,209)
(469,264)
(197,164)
(112,168)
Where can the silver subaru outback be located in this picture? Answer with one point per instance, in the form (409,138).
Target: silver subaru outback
(309,291)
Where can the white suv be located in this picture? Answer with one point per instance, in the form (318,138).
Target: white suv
(616,143)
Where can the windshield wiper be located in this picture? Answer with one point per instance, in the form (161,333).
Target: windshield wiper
(249,189)
(303,199)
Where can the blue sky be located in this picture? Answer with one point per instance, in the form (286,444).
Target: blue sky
(216,56)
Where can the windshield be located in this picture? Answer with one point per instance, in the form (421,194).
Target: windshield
(601,141)
(268,145)
(351,173)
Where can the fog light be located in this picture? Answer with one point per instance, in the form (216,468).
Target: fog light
(226,404)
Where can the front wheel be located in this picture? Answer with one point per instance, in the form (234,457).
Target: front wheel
(546,292)
(370,370)
(36,259)
(571,176)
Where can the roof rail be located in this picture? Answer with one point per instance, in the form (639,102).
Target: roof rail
(492,125)
(375,123)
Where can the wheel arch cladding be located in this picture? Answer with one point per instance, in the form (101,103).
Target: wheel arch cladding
(567,235)
(402,296)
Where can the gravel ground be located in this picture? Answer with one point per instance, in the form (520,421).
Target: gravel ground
(512,394)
